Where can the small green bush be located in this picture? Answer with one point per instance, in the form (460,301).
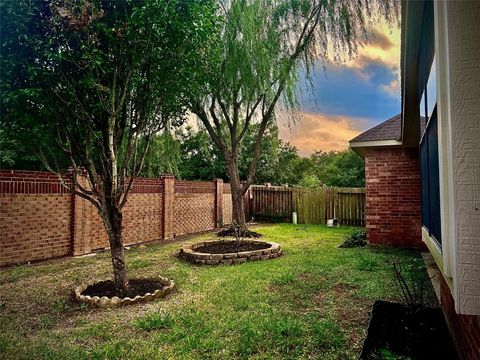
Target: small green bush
(355,239)
(412,281)
(367,263)
(386,354)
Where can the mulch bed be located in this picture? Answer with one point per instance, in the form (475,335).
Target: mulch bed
(136,287)
(231,232)
(231,247)
(421,334)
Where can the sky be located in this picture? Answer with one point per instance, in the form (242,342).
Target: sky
(347,98)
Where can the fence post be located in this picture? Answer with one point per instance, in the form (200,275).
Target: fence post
(218,202)
(81,242)
(168,206)
(247,204)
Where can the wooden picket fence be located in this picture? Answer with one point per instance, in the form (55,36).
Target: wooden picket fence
(313,205)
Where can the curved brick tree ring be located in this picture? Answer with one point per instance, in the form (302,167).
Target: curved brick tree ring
(115,301)
(189,253)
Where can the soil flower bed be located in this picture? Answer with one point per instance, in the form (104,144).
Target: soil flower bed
(104,293)
(229,252)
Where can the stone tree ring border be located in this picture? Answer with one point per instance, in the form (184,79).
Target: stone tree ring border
(104,301)
(188,253)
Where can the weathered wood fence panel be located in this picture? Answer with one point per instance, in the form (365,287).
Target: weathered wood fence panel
(313,205)
(271,201)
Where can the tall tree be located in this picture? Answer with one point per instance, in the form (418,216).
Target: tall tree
(103,77)
(339,168)
(263,43)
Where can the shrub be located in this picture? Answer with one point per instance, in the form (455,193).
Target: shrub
(355,239)
(412,282)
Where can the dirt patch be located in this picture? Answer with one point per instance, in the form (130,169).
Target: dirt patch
(415,333)
(232,247)
(136,287)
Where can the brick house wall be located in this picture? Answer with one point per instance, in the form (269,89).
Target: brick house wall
(393,197)
(40,219)
(465,329)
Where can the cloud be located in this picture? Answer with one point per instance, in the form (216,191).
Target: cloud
(393,88)
(340,90)
(379,39)
(317,131)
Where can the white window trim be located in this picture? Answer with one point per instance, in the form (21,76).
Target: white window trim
(445,158)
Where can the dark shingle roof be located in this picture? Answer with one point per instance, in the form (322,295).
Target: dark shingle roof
(390,129)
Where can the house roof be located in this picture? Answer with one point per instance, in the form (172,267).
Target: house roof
(386,134)
(390,129)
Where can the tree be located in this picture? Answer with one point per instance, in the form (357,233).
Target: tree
(339,168)
(199,158)
(103,77)
(162,157)
(263,43)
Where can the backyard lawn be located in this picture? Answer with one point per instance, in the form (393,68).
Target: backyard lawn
(313,302)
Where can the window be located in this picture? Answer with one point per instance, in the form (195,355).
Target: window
(429,166)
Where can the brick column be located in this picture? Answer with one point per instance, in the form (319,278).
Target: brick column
(168,206)
(218,202)
(80,208)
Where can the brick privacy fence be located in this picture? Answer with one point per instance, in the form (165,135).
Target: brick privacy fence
(40,219)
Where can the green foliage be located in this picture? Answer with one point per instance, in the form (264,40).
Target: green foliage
(162,157)
(339,168)
(263,45)
(356,239)
(386,354)
(191,154)
(367,263)
(309,180)
(412,282)
(68,68)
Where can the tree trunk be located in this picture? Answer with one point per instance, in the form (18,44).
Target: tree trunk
(239,223)
(238,209)
(114,219)
(238,205)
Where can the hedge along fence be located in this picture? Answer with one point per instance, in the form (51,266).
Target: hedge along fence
(40,219)
(313,205)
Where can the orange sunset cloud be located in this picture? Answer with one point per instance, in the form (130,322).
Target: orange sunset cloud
(316,131)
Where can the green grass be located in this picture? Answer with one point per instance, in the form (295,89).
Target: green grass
(314,302)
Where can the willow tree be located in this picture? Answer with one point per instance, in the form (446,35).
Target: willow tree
(262,46)
(104,77)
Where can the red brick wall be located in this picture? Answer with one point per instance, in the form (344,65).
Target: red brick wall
(393,198)
(194,206)
(40,219)
(227,204)
(142,217)
(465,329)
(35,217)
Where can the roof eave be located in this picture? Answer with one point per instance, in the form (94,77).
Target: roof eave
(412,15)
(360,147)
